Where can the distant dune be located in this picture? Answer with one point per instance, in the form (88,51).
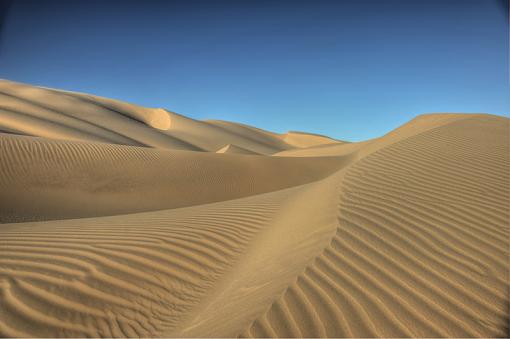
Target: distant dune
(235,149)
(125,221)
(63,115)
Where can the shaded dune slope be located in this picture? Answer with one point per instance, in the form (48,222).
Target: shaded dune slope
(48,179)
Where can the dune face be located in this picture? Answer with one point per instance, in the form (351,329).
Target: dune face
(63,115)
(234,149)
(303,140)
(48,179)
(125,221)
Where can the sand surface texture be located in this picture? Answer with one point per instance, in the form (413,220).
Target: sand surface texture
(124,221)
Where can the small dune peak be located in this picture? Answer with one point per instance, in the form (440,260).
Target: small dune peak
(302,139)
(160,119)
(233,149)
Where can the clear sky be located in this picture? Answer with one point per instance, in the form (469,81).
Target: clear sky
(350,69)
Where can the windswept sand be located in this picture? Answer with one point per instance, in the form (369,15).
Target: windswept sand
(235,150)
(124,221)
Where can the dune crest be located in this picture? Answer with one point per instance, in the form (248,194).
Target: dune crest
(413,255)
(51,179)
(303,140)
(125,221)
(65,115)
(234,149)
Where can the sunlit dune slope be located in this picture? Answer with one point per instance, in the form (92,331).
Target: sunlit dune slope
(301,139)
(35,111)
(125,222)
(421,245)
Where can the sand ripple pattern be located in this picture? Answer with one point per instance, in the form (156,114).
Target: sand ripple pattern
(422,245)
(125,276)
(42,179)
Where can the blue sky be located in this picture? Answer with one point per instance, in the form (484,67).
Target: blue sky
(350,69)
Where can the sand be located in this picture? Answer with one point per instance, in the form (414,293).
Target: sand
(124,221)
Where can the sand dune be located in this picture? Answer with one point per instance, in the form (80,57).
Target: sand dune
(60,115)
(122,276)
(421,247)
(301,139)
(64,115)
(47,179)
(234,149)
(124,221)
